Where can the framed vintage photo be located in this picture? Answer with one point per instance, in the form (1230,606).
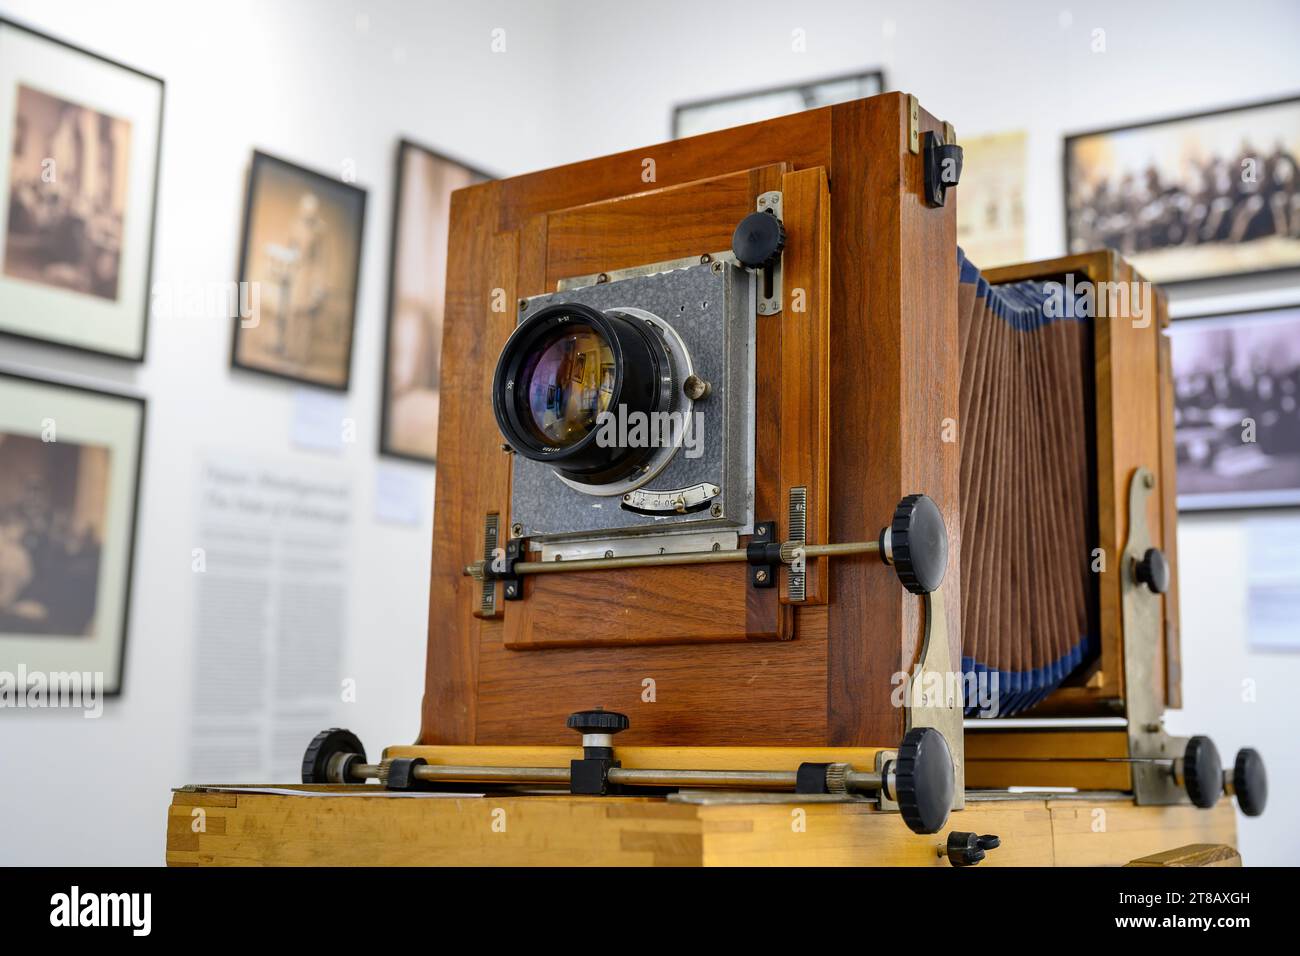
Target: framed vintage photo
(417,276)
(300,257)
(80,136)
(737,109)
(1237,409)
(991,214)
(1206,196)
(69,492)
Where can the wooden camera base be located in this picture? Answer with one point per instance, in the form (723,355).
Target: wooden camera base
(247,828)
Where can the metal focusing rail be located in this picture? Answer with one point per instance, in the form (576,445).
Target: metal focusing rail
(917,779)
(1166,767)
(915,543)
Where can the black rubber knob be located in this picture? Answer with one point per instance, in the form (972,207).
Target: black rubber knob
(758,240)
(918,542)
(597,721)
(1250,781)
(323,748)
(967,849)
(1203,772)
(923,780)
(1152,569)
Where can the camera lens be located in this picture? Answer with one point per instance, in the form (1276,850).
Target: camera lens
(567,382)
(562,370)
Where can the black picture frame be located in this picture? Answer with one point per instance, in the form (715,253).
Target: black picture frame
(132,530)
(1072,138)
(675,123)
(260,160)
(139,356)
(1219,502)
(405,145)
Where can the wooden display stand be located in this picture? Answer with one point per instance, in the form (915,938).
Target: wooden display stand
(252,829)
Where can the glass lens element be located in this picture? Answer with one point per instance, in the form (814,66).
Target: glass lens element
(567,382)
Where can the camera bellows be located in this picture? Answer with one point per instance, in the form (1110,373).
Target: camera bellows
(1027,490)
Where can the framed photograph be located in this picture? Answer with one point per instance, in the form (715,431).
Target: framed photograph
(417,278)
(1237,409)
(1194,197)
(737,109)
(300,258)
(79,147)
(991,213)
(69,490)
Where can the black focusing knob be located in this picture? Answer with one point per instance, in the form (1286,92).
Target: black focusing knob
(1202,772)
(324,747)
(758,240)
(1250,782)
(967,849)
(1152,569)
(918,544)
(923,780)
(597,722)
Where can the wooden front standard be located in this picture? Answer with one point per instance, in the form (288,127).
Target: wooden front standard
(854,382)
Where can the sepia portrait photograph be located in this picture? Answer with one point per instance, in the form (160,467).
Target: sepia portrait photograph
(67,195)
(417,283)
(79,147)
(52,508)
(301,259)
(1237,409)
(69,484)
(1195,197)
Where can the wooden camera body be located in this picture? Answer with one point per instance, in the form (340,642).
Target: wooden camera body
(844,353)
(910,484)
(854,375)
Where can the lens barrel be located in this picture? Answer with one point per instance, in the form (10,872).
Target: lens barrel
(566,366)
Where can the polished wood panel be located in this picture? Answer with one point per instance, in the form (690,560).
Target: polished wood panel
(473,478)
(683,605)
(894,376)
(805,399)
(659,225)
(754,694)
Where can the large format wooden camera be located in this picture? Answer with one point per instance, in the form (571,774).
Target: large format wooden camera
(742,462)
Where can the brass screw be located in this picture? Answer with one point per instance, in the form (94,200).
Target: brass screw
(516,530)
(760,576)
(696,388)
(716,511)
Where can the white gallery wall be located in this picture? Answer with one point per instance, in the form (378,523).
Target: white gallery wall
(337,82)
